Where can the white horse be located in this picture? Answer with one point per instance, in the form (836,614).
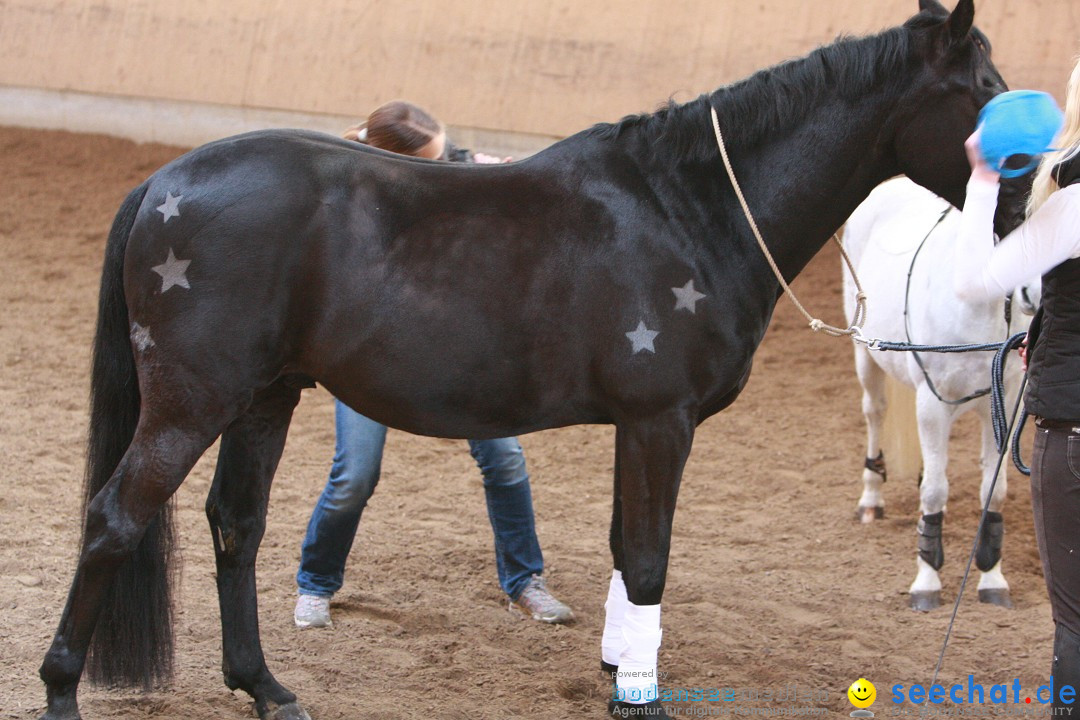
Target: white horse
(901,242)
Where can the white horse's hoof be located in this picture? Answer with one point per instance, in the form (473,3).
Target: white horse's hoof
(867,515)
(996,596)
(926,601)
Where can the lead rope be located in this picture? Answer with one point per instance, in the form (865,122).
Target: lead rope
(859,318)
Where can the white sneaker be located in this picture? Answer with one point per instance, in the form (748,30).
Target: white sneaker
(536,601)
(312,611)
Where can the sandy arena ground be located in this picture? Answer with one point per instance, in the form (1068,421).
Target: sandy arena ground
(771,583)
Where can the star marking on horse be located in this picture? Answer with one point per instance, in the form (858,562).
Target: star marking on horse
(642,338)
(686,297)
(173,272)
(171,207)
(141,337)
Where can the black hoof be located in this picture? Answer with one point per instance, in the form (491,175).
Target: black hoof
(926,601)
(51,715)
(652,709)
(289,711)
(608,669)
(996,596)
(62,708)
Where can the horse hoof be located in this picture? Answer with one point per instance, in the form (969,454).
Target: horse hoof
(62,709)
(996,596)
(926,601)
(652,709)
(867,515)
(290,711)
(50,715)
(608,669)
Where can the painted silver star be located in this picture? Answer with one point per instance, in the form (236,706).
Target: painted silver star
(173,272)
(686,297)
(642,338)
(171,207)
(141,337)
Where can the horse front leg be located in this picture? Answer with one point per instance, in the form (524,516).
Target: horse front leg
(993,588)
(935,420)
(650,456)
(236,508)
(872,378)
(611,645)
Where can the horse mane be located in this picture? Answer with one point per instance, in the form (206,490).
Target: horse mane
(777,98)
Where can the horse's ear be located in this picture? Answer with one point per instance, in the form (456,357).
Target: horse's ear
(961,19)
(933,6)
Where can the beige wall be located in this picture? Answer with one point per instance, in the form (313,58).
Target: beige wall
(549,67)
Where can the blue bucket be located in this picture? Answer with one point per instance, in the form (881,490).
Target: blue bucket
(1018,122)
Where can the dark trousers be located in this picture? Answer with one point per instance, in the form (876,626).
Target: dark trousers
(1055,499)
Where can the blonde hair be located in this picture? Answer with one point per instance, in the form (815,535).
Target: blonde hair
(1068,140)
(397,126)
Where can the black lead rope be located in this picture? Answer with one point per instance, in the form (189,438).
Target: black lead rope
(997,404)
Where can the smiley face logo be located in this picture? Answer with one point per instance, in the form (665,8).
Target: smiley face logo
(862,693)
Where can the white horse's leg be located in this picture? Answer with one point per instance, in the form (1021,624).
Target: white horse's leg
(993,588)
(872,378)
(935,420)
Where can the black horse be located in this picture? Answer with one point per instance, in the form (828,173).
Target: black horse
(609,279)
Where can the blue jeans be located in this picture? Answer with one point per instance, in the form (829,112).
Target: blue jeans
(353,476)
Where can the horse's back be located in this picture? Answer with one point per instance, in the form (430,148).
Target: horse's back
(466,291)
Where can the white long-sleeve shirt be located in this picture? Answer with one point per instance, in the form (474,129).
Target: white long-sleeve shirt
(1045,240)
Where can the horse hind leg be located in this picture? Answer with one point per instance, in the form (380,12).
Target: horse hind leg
(236,508)
(125,613)
(993,588)
(872,378)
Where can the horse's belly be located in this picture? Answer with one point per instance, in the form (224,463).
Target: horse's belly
(455,377)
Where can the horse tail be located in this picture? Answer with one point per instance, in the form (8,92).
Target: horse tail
(901,431)
(132,641)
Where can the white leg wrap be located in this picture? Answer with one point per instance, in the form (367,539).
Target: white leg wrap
(612,644)
(636,681)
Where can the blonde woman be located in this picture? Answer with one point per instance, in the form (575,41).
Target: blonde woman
(1047,243)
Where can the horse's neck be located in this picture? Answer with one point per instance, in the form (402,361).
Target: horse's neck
(802,185)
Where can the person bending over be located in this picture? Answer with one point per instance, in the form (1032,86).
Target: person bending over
(404,128)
